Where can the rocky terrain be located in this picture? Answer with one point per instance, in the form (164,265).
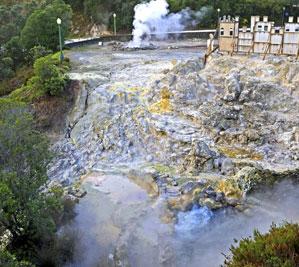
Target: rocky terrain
(197,134)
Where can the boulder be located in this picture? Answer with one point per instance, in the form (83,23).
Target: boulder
(232,87)
(210,203)
(247,178)
(201,157)
(187,187)
(227,166)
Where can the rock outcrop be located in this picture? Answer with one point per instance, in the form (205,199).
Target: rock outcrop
(234,122)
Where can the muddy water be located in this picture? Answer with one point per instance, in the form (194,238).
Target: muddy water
(120,225)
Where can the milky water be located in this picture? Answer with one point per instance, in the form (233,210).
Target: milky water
(118,215)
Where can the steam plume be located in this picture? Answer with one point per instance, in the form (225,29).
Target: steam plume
(154,18)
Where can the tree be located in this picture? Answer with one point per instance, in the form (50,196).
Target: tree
(6,67)
(12,18)
(41,27)
(25,210)
(15,50)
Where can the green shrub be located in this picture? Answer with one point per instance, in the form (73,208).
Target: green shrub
(49,79)
(35,53)
(6,68)
(277,248)
(9,260)
(60,250)
(49,75)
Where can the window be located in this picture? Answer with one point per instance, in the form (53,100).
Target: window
(266,28)
(287,29)
(297,29)
(222,31)
(231,32)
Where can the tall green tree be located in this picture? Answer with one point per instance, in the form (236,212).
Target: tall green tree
(41,27)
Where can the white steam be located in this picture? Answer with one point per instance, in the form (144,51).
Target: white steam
(154,18)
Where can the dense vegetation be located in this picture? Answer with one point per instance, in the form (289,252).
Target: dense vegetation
(49,78)
(41,27)
(28,31)
(29,215)
(278,248)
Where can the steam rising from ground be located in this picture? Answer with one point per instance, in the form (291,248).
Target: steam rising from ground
(154,18)
(213,234)
(199,237)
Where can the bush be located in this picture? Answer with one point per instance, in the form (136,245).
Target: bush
(60,250)
(49,78)
(9,260)
(6,68)
(35,53)
(277,248)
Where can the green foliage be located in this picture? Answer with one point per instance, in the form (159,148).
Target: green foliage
(49,78)
(41,27)
(15,50)
(13,15)
(21,76)
(278,248)
(29,212)
(6,68)
(24,158)
(60,251)
(101,11)
(35,53)
(9,260)
(125,11)
(12,19)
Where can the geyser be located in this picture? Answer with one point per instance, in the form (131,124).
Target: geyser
(154,18)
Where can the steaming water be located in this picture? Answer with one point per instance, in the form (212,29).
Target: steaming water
(196,218)
(118,214)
